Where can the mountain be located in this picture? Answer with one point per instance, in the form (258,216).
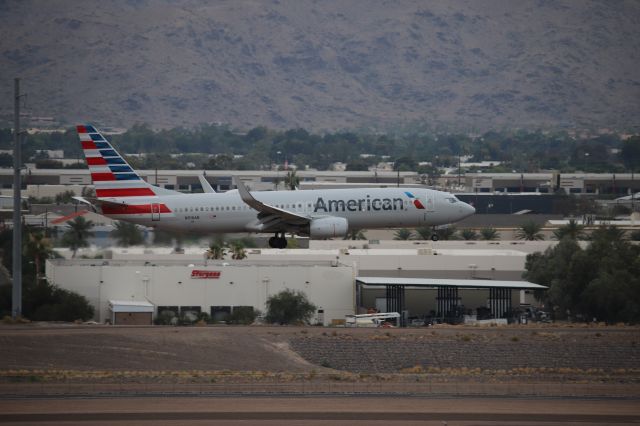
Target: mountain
(326,65)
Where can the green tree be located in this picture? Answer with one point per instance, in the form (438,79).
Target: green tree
(630,153)
(608,234)
(405,164)
(355,234)
(571,230)
(291,180)
(529,231)
(238,251)
(601,281)
(276,182)
(216,251)
(127,234)
(65,197)
(220,162)
(489,234)
(289,307)
(244,315)
(38,248)
(42,301)
(78,234)
(46,302)
(402,234)
(357,165)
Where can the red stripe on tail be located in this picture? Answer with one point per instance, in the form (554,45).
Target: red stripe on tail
(101,177)
(96,161)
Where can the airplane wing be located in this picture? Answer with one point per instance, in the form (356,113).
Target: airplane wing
(270,215)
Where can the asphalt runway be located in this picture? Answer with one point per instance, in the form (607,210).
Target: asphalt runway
(319,410)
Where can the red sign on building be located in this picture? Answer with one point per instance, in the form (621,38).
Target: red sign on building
(210,275)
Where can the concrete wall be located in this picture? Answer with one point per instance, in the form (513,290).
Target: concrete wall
(329,288)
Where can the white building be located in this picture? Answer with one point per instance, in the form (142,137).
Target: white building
(205,286)
(326,274)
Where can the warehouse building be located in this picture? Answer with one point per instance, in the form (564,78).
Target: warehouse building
(336,280)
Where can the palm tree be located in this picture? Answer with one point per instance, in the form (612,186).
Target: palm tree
(355,234)
(469,234)
(237,251)
(39,248)
(529,231)
(402,234)
(127,234)
(291,180)
(489,234)
(216,251)
(572,230)
(423,233)
(77,235)
(608,233)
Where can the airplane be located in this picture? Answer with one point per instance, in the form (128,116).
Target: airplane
(121,194)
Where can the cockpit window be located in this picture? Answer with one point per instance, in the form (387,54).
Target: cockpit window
(452,200)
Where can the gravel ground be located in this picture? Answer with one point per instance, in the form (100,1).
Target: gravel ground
(75,353)
(390,352)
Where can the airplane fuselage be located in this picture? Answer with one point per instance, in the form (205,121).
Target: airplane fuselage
(363,209)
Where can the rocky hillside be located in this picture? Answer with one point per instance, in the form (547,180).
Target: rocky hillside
(325,65)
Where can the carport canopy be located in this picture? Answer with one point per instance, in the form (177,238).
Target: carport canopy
(447,298)
(459,283)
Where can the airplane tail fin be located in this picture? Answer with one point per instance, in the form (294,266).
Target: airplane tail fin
(111,175)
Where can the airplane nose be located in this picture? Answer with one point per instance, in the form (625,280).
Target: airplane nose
(467,210)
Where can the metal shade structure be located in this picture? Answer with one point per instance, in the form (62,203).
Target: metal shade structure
(448,297)
(436,282)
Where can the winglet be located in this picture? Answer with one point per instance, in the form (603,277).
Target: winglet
(206,186)
(246,196)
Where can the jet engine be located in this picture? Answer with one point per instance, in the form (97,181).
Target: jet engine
(328,227)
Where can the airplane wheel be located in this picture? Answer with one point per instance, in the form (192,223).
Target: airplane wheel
(282,243)
(274,242)
(434,237)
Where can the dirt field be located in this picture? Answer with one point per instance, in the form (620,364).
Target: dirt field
(551,361)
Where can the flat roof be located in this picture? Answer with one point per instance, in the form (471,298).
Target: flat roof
(436,282)
(130,306)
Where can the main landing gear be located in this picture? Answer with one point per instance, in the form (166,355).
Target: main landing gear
(434,235)
(278,241)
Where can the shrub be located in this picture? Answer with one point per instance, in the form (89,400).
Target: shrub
(289,307)
(244,315)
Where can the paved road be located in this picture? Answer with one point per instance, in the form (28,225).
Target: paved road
(313,411)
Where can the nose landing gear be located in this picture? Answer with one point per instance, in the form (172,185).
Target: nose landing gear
(278,241)
(434,235)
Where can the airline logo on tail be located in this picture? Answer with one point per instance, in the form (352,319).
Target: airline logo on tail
(110,173)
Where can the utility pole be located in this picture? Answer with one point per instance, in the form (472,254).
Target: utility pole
(16,300)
